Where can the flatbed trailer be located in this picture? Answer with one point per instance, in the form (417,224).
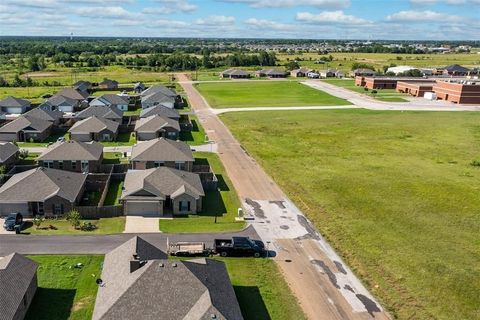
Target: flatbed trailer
(188,249)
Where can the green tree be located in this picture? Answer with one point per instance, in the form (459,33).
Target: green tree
(37,221)
(73,216)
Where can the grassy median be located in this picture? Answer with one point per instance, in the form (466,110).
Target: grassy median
(396,193)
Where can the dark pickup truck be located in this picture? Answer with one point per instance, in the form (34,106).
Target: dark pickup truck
(240,247)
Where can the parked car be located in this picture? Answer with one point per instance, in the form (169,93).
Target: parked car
(240,247)
(12,220)
(61,139)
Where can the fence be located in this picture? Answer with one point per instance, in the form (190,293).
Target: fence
(92,212)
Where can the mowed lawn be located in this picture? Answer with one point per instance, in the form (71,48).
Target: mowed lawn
(222,203)
(394,192)
(265,94)
(64,291)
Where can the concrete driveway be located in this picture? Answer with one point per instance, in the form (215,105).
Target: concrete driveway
(134,224)
(3,231)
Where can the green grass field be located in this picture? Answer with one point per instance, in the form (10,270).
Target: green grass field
(394,192)
(265,94)
(114,192)
(65,292)
(123,139)
(223,204)
(261,290)
(63,227)
(196,136)
(388,95)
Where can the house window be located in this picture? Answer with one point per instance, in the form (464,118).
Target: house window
(171,134)
(184,206)
(179,165)
(157,164)
(48,164)
(60,165)
(40,208)
(106,137)
(57,209)
(74,165)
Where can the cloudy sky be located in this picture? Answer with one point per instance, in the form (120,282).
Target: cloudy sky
(318,19)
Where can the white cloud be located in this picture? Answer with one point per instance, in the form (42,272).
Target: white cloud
(330,17)
(216,21)
(158,10)
(332,4)
(423,16)
(178,5)
(268,24)
(112,12)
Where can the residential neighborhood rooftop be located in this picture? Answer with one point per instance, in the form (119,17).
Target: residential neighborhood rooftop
(162,149)
(72,150)
(94,124)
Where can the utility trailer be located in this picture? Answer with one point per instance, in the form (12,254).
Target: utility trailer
(188,249)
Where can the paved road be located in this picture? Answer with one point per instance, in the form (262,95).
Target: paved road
(324,285)
(98,244)
(363,101)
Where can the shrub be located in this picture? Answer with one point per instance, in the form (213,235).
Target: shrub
(37,221)
(73,216)
(475,163)
(87,226)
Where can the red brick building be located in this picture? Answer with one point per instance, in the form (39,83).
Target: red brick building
(416,89)
(458,91)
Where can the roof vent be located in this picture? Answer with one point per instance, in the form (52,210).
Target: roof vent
(135,256)
(174,265)
(161,265)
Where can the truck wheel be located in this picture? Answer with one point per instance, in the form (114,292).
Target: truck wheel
(223,253)
(256,254)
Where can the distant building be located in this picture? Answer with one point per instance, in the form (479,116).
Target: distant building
(416,89)
(108,84)
(300,73)
(138,87)
(362,72)
(111,100)
(271,73)
(454,70)
(84,86)
(235,74)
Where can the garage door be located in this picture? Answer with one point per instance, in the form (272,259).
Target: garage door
(143,208)
(6,208)
(8,136)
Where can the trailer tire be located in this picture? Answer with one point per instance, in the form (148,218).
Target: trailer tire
(256,254)
(223,254)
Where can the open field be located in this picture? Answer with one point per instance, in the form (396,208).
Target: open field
(389,95)
(68,76)
(34,94)
(63,227)
(396,193)
(265,94)
(223,204)
(65,292)
(345,60)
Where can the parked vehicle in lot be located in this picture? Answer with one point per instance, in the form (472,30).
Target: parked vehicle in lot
(240,247)
(12,220)
(188,249)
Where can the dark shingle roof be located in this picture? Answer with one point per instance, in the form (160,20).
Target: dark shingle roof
(159,89)
(7,149)
(14,102)
(158,98)
(16,274)
(101,112)
(162,182)
(59,100)
(73,94)
(40,184)
(48,115)
(73,150)
(456,68)
(155,123)
(161,150)
(110,99)
(94,124)
(193,289)
(160,110)
(26,123)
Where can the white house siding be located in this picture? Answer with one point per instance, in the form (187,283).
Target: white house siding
(65,108)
